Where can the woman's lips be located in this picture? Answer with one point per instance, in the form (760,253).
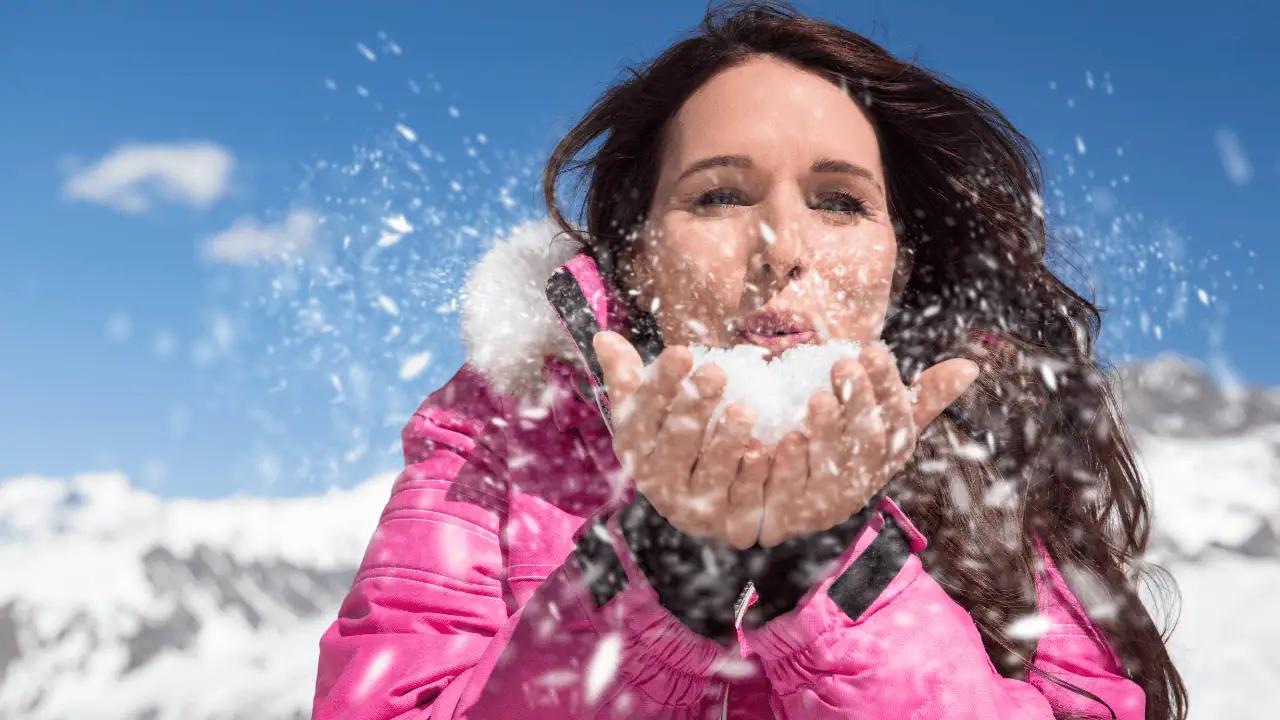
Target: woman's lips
(775,344)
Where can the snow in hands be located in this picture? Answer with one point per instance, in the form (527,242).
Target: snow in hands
(842,421)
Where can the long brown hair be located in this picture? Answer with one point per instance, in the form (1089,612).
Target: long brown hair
(1037,447)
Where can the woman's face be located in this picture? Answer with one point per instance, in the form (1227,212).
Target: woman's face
(769,222)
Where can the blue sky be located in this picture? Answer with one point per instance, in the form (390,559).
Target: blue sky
(133,339)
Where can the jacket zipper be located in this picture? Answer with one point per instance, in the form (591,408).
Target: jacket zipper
(746,599)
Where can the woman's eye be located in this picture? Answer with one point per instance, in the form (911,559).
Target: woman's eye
(839,203)
(842,203)
(720,196)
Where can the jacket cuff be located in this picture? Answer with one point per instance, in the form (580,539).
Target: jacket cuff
(867,576)
(617,598)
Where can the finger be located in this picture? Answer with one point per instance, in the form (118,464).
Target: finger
(783,498)
(939,386)
(900,426)
(863,431)
(843,376)
(746,498)
(621,365)
(715,468)
(718,462)
(653,400)
(895,405)
(826,458)
(680,437)
(862,436)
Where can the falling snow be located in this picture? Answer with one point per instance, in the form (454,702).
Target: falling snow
(603,666)
(406,132)
(395,227)
(413,365)
(1028,627)
(388,305)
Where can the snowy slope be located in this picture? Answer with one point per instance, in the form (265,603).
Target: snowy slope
(117,604)
(1211,456)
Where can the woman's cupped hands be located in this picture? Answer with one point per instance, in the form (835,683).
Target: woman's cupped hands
(711,478)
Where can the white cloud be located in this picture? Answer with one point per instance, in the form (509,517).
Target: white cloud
(1234,161)
(248,241)
(133,177)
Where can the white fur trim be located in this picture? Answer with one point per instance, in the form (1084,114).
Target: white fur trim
(507,323)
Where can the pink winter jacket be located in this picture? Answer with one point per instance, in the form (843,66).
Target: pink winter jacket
(471,600)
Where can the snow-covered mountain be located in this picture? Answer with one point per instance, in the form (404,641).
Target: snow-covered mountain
(1210,453)
(117,604)
(1211,456)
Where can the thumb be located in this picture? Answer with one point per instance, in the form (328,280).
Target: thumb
(939,386)
(620,363)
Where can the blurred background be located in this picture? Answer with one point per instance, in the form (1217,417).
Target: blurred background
(231,239)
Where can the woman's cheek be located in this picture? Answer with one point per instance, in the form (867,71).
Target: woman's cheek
(710,254)
(872,259)
(691,278)
(862,282)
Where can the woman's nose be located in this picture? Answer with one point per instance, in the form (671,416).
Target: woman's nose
(781,255)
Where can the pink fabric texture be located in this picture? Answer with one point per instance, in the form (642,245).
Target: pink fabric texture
(469,602)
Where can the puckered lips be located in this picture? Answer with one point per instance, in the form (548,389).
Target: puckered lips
(776,330)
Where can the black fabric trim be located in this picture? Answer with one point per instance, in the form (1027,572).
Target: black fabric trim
(571,305)
(868,576)
(601,569)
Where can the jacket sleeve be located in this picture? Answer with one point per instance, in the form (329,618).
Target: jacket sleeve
(881,633)
(1074,649)
(428,631)
(595,642)
(428,596)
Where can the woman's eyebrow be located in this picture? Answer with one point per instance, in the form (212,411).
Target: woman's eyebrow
(828,165)
(823,165)
(738,161)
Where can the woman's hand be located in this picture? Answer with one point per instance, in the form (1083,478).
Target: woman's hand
(856,439)
(659,425)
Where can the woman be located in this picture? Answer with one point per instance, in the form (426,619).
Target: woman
(570,539)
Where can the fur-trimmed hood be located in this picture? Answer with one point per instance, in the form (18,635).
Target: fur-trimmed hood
(508,325)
